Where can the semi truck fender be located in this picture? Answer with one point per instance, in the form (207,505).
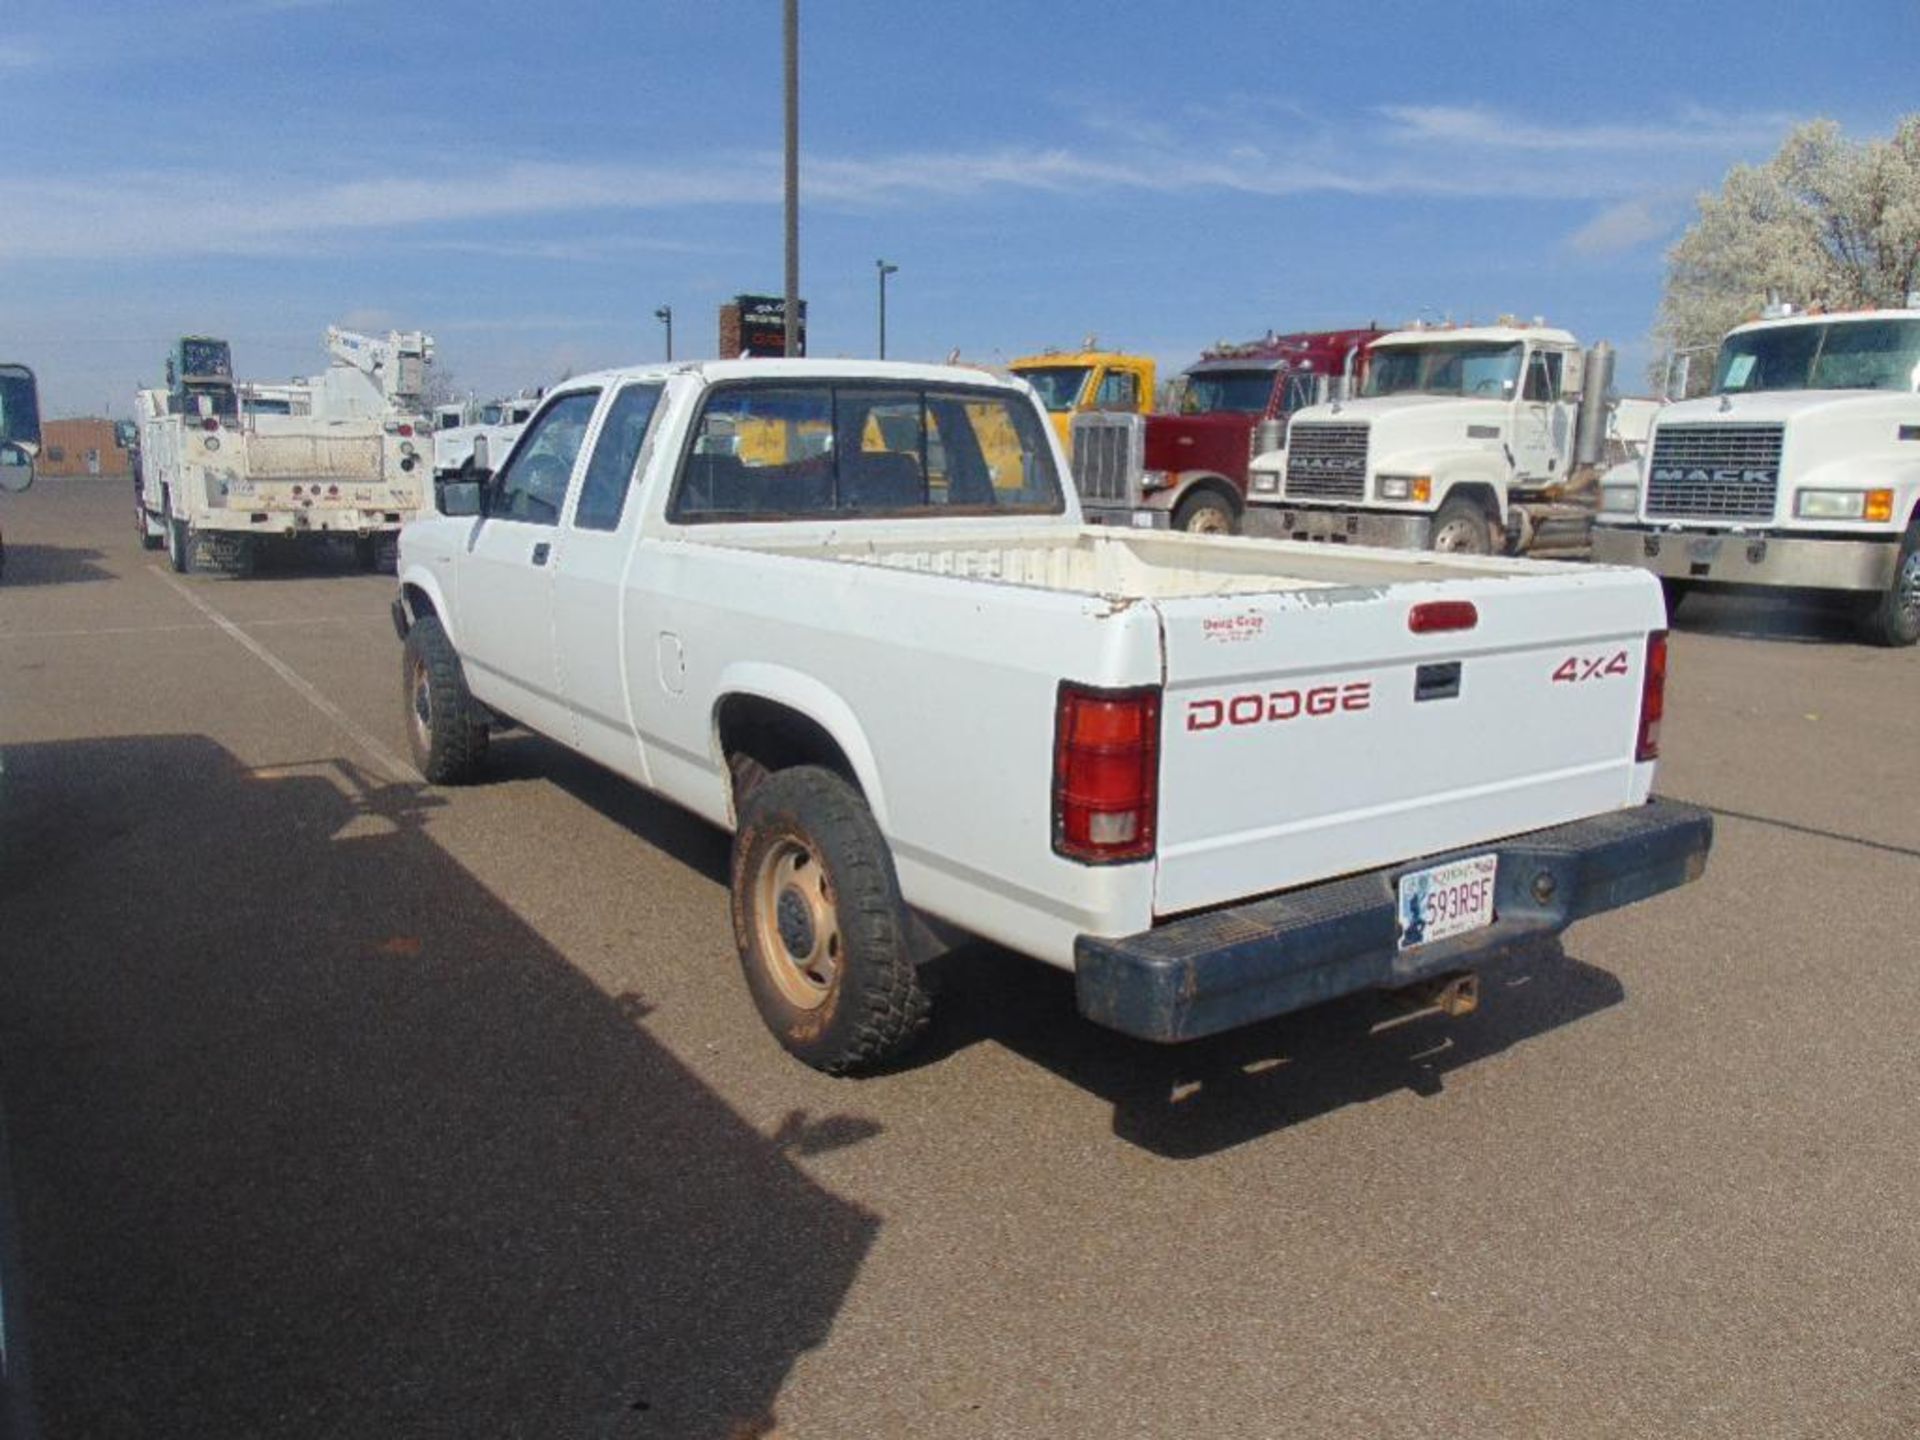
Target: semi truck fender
(811,700)
(1469,472)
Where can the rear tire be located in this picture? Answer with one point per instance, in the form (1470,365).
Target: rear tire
(1892,618)
(446,729)
(1206,512)
(820,925)
(1461,527)
(180,542)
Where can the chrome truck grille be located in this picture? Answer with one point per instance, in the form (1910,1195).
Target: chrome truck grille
(1716,472)
(1326,462)
(1109,457)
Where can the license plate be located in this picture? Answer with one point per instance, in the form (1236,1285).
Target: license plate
(1703,548)
(1447,900)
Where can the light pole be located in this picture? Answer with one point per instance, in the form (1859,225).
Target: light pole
(885,270)
(665,316)
(791,27)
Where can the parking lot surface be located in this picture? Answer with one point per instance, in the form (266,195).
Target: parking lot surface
(340,1105)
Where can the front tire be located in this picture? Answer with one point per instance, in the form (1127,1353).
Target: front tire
(1461,527)
(1676,592)
(1206,512)
(1892,618)
(446,730)
(820,925)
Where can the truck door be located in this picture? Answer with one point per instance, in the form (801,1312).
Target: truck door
(506,576)
(1543,425)
(590,598)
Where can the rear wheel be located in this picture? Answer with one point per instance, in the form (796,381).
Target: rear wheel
(1893,616)
(180,541)
(1206,512)
(446,729)
(820,925)
(1461,526)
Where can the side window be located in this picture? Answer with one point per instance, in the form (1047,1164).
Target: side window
(1543,375)
(760,450)
(533,482)
(1119,390)
(603,493)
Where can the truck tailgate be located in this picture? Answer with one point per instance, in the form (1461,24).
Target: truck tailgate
(1316,733)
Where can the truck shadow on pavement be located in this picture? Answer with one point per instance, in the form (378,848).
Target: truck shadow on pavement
(1183,1102)
(30,565)
(312,1135)
(1797,620)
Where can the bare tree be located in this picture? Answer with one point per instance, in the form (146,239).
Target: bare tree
(1827,221)
(441,388)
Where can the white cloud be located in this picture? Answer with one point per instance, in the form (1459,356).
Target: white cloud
(1477,126)
(1628,225)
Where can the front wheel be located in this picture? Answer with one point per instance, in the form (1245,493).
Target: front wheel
(820,925)
(446,729)
(1675,591)
(1461,527)
(1206,512)
(1892,617)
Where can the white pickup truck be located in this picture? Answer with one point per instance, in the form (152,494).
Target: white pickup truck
(849,611)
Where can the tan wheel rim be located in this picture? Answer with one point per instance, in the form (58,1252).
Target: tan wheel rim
(1460,537)
(1209,521)
(797,924)
(420,701)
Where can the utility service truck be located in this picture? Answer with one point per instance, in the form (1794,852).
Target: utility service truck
(1085,381)
(1480,439)
(1800,472)
(341,456)
(19,434)
(1187,468)
(1215,779)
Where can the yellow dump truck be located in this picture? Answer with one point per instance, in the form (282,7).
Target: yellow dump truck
(1073,382)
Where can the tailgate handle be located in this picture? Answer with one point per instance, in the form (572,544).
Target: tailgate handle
(1437,682)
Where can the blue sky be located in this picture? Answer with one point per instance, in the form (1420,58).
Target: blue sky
(530,182)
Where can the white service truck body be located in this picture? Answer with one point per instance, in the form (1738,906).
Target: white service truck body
(1801,471)
(1461,439)
(1215,778)
(498,423)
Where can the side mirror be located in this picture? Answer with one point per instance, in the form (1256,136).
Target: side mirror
(16,467)
(460,497)
(482,459)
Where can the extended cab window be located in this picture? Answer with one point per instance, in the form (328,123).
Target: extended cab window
(533,482)
(793,451)
(603,493)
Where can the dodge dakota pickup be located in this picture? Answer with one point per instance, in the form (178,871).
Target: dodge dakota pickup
(849,611)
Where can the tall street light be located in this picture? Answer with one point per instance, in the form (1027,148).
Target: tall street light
(665,316)
(791,345)
(885,270)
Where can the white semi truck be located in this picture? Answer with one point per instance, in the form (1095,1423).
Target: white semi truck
(457,456)
(1481,439)
(1216,779)
(343,455)
(1800,472)
(19,435)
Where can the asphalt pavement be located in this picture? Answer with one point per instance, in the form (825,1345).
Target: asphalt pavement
(344,1106)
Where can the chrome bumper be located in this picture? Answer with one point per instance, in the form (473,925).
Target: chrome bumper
(1387,529)
(1722,557)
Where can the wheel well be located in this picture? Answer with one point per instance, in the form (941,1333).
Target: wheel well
(1479,493)
(1213,485)
(759,736)
(418,602)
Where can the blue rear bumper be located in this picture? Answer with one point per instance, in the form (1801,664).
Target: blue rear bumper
(1210,972)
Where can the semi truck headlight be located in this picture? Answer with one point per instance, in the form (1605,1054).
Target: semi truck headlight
(1265,482)
(1620,499)
(1417,488)
(1876,505)
(1155,479)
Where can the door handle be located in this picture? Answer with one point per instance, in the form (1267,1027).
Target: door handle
(541,551)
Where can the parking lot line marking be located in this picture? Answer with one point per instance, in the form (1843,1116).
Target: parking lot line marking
(396,768)
(89,632)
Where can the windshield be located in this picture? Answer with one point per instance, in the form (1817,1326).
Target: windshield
(493,415)
(19,405)
(1059,385)
(1846,355)
(1228,392)
(1461,368)
(205,360)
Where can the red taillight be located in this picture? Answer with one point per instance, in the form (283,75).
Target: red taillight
(1653,697)
(1435,615)
(1106,773)
(209,423)
(406,432)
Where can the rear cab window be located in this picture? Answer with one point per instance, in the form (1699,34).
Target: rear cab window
(800,450)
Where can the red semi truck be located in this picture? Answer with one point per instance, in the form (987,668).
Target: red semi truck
(1187,467)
